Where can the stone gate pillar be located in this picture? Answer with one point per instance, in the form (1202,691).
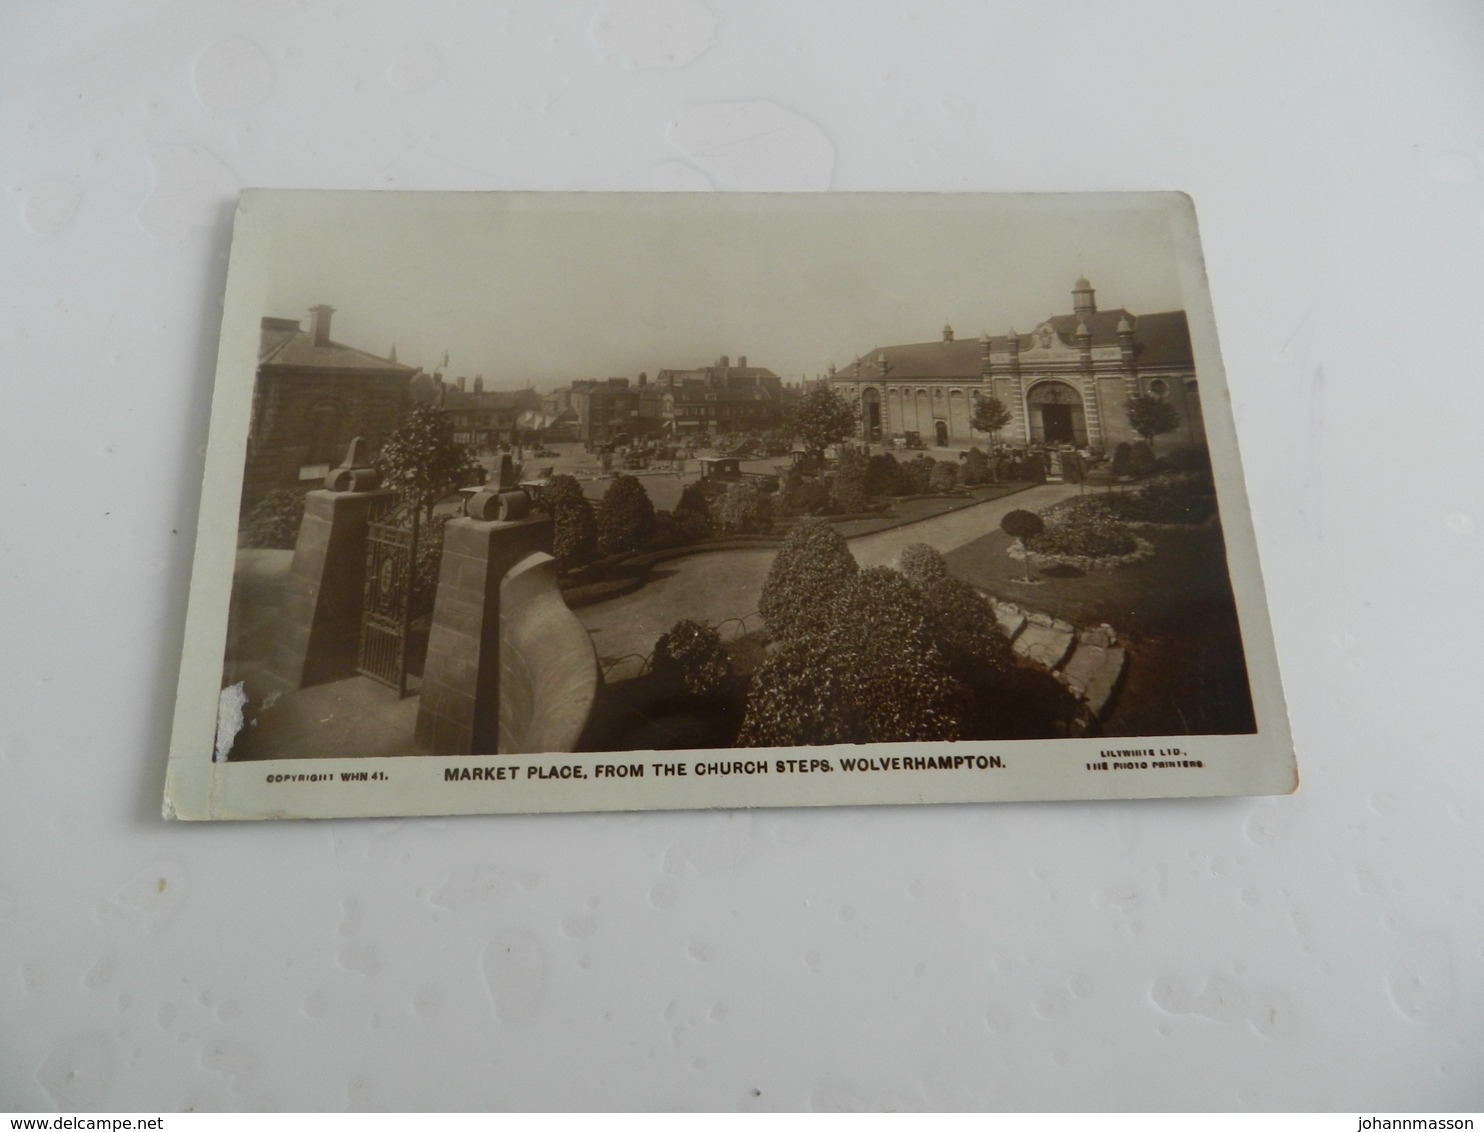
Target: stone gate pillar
(459,709)
(319,631)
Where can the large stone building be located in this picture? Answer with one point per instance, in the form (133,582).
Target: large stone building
(312,396)
(606,410)
(719,398)
(1065,382)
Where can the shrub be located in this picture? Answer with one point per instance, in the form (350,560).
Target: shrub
(1188,458)
(693,655)
(921,564)
(1142,462)
(1083,527)
(960,618)
(743,510)
(885,476)
(920,473)
(848,487)
(1034,468)
(1122,457)
(943,477)
(1167,499)
(807,572)
(977,468)
(273,523)
(625,516)
(693,513)
(801,494)
(872,673)
(574,535)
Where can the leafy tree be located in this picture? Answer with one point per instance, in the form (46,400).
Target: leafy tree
(848,487)
(990,415)
(574,539)
(807,572)
(743,510)
(692,654)
(1022,525)
(625,516)
(820,418)
(422,462)
(1151,416)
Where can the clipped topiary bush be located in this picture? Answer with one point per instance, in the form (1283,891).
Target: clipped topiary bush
(1142,462)
(872,673)
(625,516)
(807,572)
(574,535)
(977,468)
(848,485)
(921,564)
(943,478)
(743,510)
(920,471)
(886,476)
(692,654)
(273,523)
(1122,457)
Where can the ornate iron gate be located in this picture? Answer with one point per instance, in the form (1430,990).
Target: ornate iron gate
(386,614)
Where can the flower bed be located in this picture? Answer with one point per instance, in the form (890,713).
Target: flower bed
(1083,533)
(1179,500)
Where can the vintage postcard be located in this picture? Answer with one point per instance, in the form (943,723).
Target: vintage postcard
(525,502)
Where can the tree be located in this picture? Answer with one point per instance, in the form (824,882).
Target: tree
(1022,525)
(574,536)
(807,572)
(1150,416)
(820,418)
(625,516)
(990,415)
(422,462)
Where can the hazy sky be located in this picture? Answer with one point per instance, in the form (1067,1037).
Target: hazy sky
(543,289)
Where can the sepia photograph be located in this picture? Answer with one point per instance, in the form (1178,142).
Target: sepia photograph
(660,488)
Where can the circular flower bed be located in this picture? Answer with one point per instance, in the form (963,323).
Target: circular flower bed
(1083,533)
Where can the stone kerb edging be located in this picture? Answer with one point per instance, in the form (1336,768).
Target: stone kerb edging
(1089,663)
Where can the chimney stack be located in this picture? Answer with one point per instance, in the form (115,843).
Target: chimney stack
(741,361)
(725,362)
(479,384)
(461,385)
(321,324)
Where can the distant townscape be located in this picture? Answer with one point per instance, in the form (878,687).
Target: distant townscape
(983,536)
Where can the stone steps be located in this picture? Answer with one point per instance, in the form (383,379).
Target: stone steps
(1088,662)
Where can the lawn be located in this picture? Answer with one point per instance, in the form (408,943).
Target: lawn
(1186,673)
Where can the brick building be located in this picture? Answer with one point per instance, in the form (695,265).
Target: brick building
(312,396)
(1064,383)
(719,398)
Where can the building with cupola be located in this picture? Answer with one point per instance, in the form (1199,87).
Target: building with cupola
(1065,382)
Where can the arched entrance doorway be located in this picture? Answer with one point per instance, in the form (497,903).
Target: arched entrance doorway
(871,413)
(1056,416)
(941,428)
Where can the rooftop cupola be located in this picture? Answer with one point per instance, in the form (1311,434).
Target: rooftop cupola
(1125,326)
(1082,297)
(947,333)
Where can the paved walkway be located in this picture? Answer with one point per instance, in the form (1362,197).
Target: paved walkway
(721,585)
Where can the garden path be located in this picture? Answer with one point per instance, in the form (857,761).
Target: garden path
(718,586)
